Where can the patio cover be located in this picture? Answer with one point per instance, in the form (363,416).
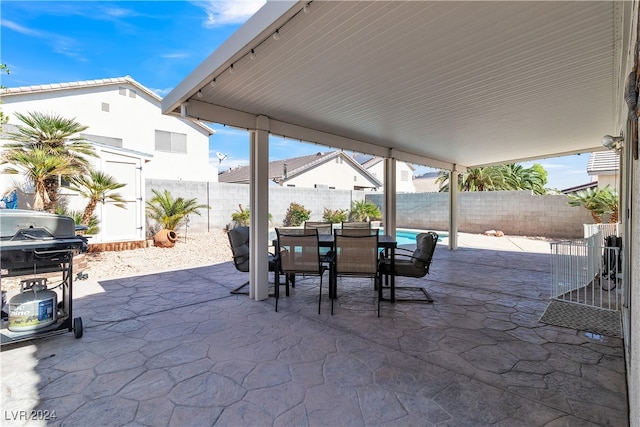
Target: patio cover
(447,84)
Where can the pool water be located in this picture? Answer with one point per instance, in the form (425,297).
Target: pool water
(408,237)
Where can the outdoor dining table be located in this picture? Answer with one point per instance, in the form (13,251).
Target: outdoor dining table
(385,241)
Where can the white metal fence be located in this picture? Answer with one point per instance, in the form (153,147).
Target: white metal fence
(606,229)
(585,271)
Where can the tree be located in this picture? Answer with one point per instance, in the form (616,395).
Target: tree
(52,136)
(588,199)
(609,202)
(495,178)
(96,187)
(37,166)
(170,212)
(363,209)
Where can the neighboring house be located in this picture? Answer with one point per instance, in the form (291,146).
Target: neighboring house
(404,172)
(426,183)
(133,139)
(333,170)
(603,168)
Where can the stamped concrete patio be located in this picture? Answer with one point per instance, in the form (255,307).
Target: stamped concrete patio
(177,349)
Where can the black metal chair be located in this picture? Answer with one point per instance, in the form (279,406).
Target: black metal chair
(239,242)
(356,255)
(411,264)
(298,251)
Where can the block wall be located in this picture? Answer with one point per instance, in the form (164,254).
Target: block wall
(513,212)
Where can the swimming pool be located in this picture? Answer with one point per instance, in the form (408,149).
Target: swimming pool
(406,236)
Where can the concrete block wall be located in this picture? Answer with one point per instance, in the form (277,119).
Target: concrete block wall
(518,213)
(224,199)
(513,212)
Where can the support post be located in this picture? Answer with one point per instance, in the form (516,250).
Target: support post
(453,209)
(390,196)
(259,223)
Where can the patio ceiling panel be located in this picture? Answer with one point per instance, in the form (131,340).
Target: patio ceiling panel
(440,83)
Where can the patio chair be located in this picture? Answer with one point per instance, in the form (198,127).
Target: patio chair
(322,227)
(356,224)
(356,255)
(298,252)
(239,242)
(411,264)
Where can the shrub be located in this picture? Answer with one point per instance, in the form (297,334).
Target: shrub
(362,209)
(335,217)
(242,217)
(170,212)
(296,215)
(93,225)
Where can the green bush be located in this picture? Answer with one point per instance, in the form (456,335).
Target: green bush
(361,210)
(335,217)
(94,222)
(296,215)
(242,217)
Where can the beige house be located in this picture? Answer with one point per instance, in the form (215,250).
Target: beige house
(404,173)
(604,168)
(332,170)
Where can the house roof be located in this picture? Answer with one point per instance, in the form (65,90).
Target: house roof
(569,190)
(445,84)
(285,169)
(603,162)
(54,87)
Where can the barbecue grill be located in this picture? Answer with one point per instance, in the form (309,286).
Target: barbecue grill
(34,243)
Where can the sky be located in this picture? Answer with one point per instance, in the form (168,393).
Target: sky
(46,42)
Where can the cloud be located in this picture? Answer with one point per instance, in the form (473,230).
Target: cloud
(176,55)
(228,11)
(20,29)
(60,44)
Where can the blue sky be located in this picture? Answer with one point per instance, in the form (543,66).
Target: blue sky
(153,42)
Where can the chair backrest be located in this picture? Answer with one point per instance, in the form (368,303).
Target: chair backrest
(425,247)
(239,242)
(322,227)
(356,224)
(299,251)
(357,231)
(356,254)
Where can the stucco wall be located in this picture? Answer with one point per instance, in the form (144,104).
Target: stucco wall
(513,212)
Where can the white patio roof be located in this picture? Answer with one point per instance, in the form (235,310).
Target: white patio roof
(437,83)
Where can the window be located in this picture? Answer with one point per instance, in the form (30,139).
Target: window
(171,142)
(132,93)
(339,160)
(122,91)
(355,178)
(404,176)
(105,107)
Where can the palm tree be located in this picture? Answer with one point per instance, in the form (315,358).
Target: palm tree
(37,166)
(53,136)
(363,209)
(170,212)
(588,199)
(609,202)
(516,177)
(97,187)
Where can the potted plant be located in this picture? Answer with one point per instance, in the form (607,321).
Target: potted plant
(170,213)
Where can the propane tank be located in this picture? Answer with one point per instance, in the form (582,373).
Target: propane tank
(35,307)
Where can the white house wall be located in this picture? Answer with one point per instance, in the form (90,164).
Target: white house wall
(339,175)
(404,176)
(134,120)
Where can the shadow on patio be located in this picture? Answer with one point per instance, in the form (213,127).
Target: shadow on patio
(177,349)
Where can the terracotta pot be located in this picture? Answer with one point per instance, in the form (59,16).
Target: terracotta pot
(165,238)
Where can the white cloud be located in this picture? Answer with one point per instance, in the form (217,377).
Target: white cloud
(229,11)
(20,29)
